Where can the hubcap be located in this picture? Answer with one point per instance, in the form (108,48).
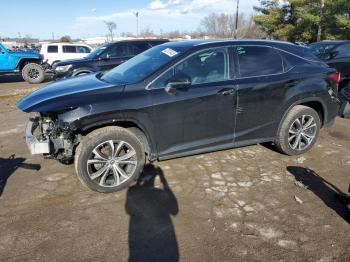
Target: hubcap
(112,163)
(302,132)
(33,73)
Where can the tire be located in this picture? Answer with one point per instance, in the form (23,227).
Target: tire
(82,73)
(33,73)
(290,131)
(103,174)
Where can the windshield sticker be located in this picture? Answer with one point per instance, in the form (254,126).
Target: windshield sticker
(169,52)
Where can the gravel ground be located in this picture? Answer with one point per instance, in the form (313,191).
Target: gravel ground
(245,204)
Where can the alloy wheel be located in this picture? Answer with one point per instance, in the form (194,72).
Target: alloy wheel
(302,132)
(112,163)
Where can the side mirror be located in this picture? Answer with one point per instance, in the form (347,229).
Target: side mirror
(104,57)
(178,82)
(332,55)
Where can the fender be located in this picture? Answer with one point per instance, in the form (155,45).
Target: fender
(29,59)
(116,119)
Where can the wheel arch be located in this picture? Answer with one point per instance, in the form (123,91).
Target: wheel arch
(132,125)
(82,70)
(313,102)
(23,61)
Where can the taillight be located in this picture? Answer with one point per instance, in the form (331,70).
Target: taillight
(335,77)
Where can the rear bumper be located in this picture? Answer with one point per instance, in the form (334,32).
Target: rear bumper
(34,145)
(345,102)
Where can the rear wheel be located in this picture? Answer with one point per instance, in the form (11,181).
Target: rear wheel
(109,159)
(299,131)
(33,73)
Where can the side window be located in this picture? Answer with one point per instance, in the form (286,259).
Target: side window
(258,61)
(69,49)
(205,67)
(343,51)
(136,48)
(116,51)
(83,49)
(290,61)
(52,49)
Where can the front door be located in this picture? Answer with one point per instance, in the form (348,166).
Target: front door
(4,60)
(200,116)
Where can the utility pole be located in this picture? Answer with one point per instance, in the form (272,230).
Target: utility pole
(137,23)
(53,36)
(236,22)
(319,31)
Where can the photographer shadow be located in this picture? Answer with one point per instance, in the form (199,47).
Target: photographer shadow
(326,191)
(151,231)
(9,165)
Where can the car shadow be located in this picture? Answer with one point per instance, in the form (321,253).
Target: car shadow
(151,231)
(323,189)
(9,165)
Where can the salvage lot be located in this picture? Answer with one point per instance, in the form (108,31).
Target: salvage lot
(238,204)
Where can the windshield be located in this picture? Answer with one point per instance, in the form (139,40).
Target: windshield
(142,65)
(321,49)
(96,52)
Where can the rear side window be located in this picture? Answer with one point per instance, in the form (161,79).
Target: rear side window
(69,49)
(290,61)
(343,51)
(258,61)
(52,49)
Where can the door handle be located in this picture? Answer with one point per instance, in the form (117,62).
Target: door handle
(227,91)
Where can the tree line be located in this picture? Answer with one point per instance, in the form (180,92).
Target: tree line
(304,20)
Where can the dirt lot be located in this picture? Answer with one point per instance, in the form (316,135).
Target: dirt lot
(234,205)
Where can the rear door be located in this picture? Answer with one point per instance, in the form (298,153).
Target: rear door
(113,56)
(201,116)
(137,48)
(261,84)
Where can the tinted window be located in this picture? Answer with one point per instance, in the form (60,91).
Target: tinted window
(290,61)
(52,49)
(69,49)
(83,49)
(136,48)
(343,51)
(116,51)
(258,61)
(321,49)
(205,67)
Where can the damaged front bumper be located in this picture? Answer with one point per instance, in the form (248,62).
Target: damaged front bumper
(35,145)
(51,138)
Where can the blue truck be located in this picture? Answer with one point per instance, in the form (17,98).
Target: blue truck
(27,63)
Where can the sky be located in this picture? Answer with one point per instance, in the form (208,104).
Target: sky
(84,18)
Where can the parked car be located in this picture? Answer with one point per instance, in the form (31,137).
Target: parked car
(27,63)
(56,52)
(179,99)
(104,58)
(337,55)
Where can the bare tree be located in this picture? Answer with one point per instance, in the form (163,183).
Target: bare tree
(223,26)
(111,27)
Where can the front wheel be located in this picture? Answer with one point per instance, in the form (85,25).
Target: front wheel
(298,131)
(109,159)
(33,73)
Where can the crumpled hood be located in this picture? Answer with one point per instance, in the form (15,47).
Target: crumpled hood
(73,92)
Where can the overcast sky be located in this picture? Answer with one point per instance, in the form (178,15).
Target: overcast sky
(84,18)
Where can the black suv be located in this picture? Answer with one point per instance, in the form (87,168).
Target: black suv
(337,54)
(103,58)
(179,99)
